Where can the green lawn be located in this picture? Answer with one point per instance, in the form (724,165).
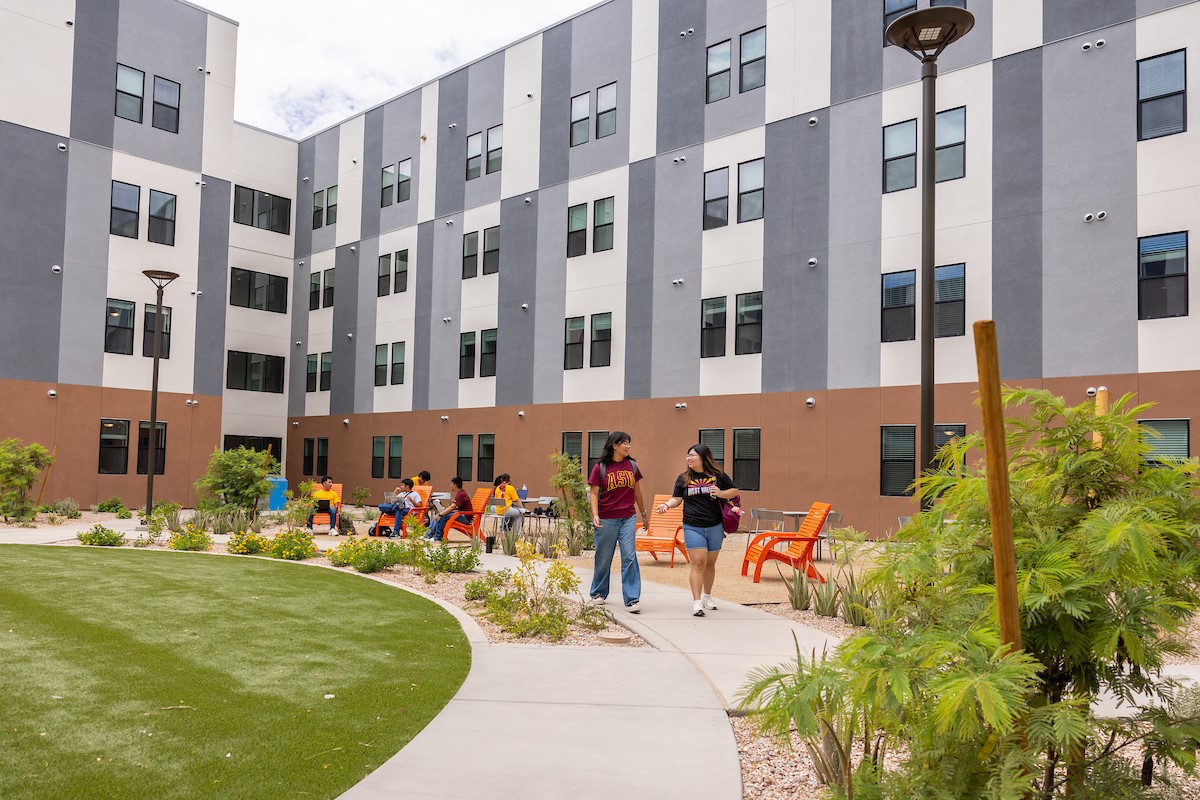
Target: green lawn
(131,673)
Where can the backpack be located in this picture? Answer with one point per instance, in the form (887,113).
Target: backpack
(604,469)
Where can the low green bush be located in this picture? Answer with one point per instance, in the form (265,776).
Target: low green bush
(190,538)
(359,496)
(100,536)
(453,559)
(293,544)
(113,505)
(248,543)
(366,555)
(66,507)
(124,513)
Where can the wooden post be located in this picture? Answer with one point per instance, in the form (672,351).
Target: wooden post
(1101,411)
(999,500)
(46,475)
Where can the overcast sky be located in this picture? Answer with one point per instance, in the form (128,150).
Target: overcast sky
(304,65)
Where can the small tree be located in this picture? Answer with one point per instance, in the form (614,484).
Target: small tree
(573,503)
(20,466)
(236,479)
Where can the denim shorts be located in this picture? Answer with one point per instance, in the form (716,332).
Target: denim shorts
(710,538)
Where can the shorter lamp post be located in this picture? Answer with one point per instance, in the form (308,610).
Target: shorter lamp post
(160,279)
(925,34)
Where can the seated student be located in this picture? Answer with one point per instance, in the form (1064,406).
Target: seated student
(513,506)
(462,503)
(406,499)
(327,503)
(422,478)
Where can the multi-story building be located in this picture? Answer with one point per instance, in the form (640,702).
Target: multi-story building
(692,221)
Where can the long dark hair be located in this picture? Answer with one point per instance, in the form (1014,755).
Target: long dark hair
(610,444)
(707,463)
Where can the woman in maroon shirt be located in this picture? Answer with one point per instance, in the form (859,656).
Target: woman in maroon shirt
(614,493)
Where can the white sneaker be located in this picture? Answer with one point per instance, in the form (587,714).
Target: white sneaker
(697,608)
(633,608)
(333,533)
(706,601)
(598,601)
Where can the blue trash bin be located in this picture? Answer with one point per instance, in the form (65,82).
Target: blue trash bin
(277,498)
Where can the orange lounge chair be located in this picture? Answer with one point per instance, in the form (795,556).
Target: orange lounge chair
(388,521)
(321,518)
(470,524)
(665,534)
(799,550)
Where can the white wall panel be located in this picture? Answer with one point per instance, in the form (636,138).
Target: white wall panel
(36,53)
(522,117)
(220,61)
(350,180)
(643,79)
(1016,26)
(427,183)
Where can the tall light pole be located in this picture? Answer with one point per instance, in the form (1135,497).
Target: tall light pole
(925,34)
(160,279)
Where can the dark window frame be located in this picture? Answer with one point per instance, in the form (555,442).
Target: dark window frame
(314,291)
(946,148)
(712,343)
(263,210)
(378,453)
(322,455)
(148,314)
(577,236)
(331,205)
(743,344)
(485,460)
(747,469)
(474,156)
(169,112)
(328,279)
(747,65)
(117,463)
(243,369)
(381,364)
(306,463)
(596,440)
(891,16)
(494,161)
(161,229)
(466,355)
(711,74)
(400,281)
(310,383)
(573,350)
(325,382)
(1165,280)
(906,313)
(464,463)
(403,180)
(383,276)
(318,209)
(141,98)
(572,446)
(258,291)
(745,195)
(1142,101)
(130,215)
(707,438)
(491,250)
(606,118)
(716,206)
(118,338)
(900,157)
(143,448)
(1157,459)
(580,127)
(387,185)
(487,353)
(395,457)
(943,308)
(887,485)
(470,263)
(603,238)
(397,374)
(600,350)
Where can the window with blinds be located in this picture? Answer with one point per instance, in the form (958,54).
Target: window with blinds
(950,300)
(1162,95)
(1162,276)
(747,450)
(897,459)
(1168,439)
(596,441)
(714,440)
(899,320)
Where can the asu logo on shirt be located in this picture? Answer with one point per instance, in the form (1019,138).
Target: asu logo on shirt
(619,479)
(696,486)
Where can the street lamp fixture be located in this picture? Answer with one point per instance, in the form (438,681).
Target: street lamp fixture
(925,34)
(160,279)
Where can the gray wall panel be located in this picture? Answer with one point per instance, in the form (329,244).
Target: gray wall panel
(854,242)
(601,50)
(1145,7)
(168,40)
(518,285)
(452,143)
(33,211)
(550,305)
(345,320)
(402,140)
(85,271)
(681,68)
(212,278)
(741,110)
(306,157)
(1082,130)
(94,71)
(639,281)
(372,172)
(857,57)
(326,146)
(1063,18)
(365,337)
(554,160)
(445,301)
(297,362)
(485,109)
(795,229)
(677,254)
(422,281)
(1017,213)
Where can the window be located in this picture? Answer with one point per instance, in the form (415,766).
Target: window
(487,457)
(572,445)
(160,448)
(262,210)
(401,282)
(381,364)
(577,230)
(495,149)
(714,440)
(602,224)
(377,450)
(327,294)
(118,327)
(491,250)
(596,441)
(716,198)
(950,135)
(254,372)
(131,89)
(114,447)
(162,218)
(310,384)
(750,190)
(322,456)
(754,59)
(748,333)
(900,156)
(1171,443)
(606,110)
(397,363)
(898,460)
(383,281)
(712,327)
(123,219)
(387,186)
(892,10)
(395,467)
(466,446)
(258,290)
(601,340)
(718,72)
(899,321)
(306,467)
(949,297)
(573,346)
(474,156)
(326,371)
(466,355)
(1162,95)
(951,3)
(487,354)
(403,180)
(1162,276)
(165,116)
(581,115)
(747,450)
(318,209)
(470,255)
(314,291)
(944,433)
(331,204)
(149,318)
(260,444)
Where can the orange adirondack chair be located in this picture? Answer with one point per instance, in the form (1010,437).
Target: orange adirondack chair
(321,518)
(387,520)
(665,534)
(799,550)
(470,524)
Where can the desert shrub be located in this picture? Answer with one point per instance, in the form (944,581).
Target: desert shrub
(124,513)
(144,540)
(100,536)
(20,466)
(359,496)
(159,520)
(190,539)
(66,507)
(247,543)
(453,559)
(508,540)
(370,514)
(798,588)
(293,544)
(490,583)
(237,479)
(175,518)
(113,505)
(203,519)
(572,504)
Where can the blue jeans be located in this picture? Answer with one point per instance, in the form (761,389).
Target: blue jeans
(332,518)
(438,531)
(611,533)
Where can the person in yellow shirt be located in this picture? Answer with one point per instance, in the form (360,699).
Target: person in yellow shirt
(512,502)
(326,498)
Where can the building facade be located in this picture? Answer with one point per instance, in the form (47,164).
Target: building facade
(692,221)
